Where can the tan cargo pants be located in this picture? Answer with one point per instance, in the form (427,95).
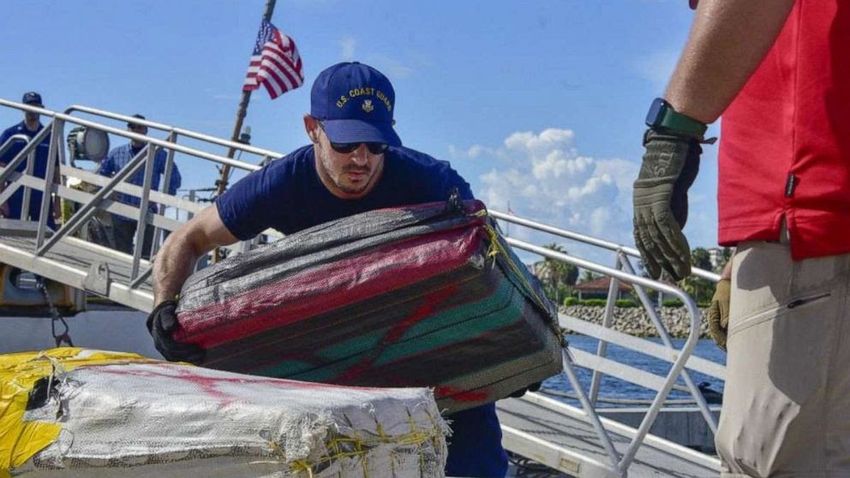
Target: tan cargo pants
(786,406)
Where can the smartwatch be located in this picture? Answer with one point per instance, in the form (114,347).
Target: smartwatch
(661,115)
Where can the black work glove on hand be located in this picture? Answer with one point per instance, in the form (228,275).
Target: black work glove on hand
(670,165)
(161,324)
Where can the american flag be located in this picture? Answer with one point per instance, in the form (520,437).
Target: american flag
(275,63)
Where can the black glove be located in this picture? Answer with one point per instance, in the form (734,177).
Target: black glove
(162,322)
(669,167)
(531,388)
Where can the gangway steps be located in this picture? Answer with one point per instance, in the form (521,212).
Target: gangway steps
(74,262)
(557,435)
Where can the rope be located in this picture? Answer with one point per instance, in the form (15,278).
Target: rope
(341,446)
(498,248)
(57,373)
(55,317)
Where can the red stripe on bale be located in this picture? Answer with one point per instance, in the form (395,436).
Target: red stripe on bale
(424,311)
(329,287)
(459,395)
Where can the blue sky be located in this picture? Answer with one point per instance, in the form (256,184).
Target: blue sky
(537,103)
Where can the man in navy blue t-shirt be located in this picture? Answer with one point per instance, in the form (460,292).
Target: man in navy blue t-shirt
(29,127)
(356,163)
(121,231)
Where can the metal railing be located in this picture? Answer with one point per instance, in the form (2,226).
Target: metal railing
(174,133)
(46,239)
(624,271)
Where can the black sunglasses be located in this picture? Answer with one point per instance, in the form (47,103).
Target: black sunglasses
(345,148)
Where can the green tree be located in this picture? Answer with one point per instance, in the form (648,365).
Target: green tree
(557,276)
(701,258)
(700,289)
(587,276)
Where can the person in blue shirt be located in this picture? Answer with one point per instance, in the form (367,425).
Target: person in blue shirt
(29,127)
(355,163)
(122,230)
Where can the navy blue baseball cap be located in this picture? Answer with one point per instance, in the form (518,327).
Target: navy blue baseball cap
(355,104)
(32,98)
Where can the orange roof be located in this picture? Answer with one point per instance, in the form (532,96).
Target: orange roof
(599,285)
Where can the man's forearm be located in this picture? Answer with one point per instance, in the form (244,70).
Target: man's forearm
(176,260)
(728,40)
(173,265)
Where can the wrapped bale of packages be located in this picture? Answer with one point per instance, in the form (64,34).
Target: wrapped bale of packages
(425,295)
(71,412)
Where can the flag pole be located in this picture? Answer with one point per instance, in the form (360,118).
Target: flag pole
(221,184)
(508,225)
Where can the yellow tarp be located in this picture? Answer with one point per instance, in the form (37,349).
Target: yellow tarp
(20,440)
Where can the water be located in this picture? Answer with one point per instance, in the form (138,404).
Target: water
(618,389)
(124,330)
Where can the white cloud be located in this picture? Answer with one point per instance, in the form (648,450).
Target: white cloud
(548,139)
(476,151)
(558,163)
(349,47)
(543,177)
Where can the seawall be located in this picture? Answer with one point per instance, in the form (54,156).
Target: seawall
(635,321)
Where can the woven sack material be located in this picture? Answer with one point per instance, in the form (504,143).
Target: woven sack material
(70,412)
(426,295)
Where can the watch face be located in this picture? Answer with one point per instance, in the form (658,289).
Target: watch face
(656,112)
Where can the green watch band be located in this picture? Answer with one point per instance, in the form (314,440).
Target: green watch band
(662,115)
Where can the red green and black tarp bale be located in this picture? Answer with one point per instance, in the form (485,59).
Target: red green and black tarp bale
(426,295)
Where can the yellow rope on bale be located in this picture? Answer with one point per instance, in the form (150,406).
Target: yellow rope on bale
(302,466)
(341,446)
(497,248)
(19,372)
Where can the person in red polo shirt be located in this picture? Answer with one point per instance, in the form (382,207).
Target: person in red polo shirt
(779,72)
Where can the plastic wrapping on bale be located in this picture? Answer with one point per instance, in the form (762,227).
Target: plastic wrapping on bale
(426,295)
(71,412)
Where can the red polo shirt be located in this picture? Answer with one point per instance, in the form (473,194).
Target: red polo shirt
(785,142)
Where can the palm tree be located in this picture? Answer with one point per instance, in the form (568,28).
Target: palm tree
(700,289)
(587,276)
(557,276)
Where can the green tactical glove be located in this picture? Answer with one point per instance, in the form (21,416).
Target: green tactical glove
(718,313)
(670,165)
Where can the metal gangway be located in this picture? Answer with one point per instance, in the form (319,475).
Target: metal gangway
(578,441)
(574,440)
(64,257)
